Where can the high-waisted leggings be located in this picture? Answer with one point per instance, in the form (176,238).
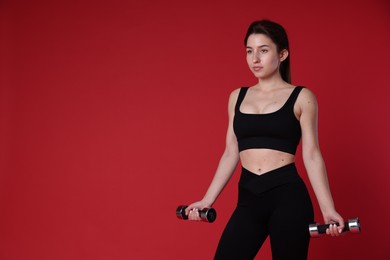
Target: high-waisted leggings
(275,204)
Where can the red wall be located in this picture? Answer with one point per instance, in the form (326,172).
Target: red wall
(113,113)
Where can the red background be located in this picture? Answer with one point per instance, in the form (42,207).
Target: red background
(114,113)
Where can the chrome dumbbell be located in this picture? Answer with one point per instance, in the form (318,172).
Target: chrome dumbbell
(353,225)
(206,214)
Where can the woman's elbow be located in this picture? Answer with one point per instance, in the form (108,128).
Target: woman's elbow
(231,151)
(311,154)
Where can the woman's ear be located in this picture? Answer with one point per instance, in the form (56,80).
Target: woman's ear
(283,55)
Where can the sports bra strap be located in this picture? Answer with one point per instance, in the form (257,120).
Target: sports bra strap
(241,96)
(293,97)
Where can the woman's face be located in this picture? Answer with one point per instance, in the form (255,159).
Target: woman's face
(262,56)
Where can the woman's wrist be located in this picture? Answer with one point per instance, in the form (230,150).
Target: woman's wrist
(207,202)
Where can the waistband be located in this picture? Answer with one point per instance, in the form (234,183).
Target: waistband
(258,184)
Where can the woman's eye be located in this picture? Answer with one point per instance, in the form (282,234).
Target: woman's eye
(249,51)
(264,51)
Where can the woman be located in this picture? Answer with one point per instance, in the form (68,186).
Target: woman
(266,123)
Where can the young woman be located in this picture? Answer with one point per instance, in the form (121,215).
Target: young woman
(266,123)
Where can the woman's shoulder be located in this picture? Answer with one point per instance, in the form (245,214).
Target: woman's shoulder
(306,93)
(306,98)
(237,90)
(234,94)
(233,97)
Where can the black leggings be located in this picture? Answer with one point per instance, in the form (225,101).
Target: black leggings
(275,203)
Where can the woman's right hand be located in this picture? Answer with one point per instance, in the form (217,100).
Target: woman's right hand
(192,210)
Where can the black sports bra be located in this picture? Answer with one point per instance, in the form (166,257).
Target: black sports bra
(279,130)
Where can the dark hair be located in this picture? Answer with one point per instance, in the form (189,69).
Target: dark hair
(279,36)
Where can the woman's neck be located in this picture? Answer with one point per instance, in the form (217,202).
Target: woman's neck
(270,84)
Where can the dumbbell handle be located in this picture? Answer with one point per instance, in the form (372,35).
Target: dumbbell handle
(353,225)
(206,214)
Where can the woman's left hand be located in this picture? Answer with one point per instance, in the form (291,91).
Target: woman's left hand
(332,218)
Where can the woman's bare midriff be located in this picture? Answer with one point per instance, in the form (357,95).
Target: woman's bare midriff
(260,161)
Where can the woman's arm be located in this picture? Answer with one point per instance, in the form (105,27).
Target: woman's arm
(226,166)
(314,163)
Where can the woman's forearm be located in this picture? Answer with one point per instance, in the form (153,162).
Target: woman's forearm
(316,171)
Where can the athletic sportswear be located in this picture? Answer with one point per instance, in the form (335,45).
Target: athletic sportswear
(279,130)
(275,204)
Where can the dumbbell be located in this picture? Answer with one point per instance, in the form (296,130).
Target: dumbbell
(353,225)
(206,214)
